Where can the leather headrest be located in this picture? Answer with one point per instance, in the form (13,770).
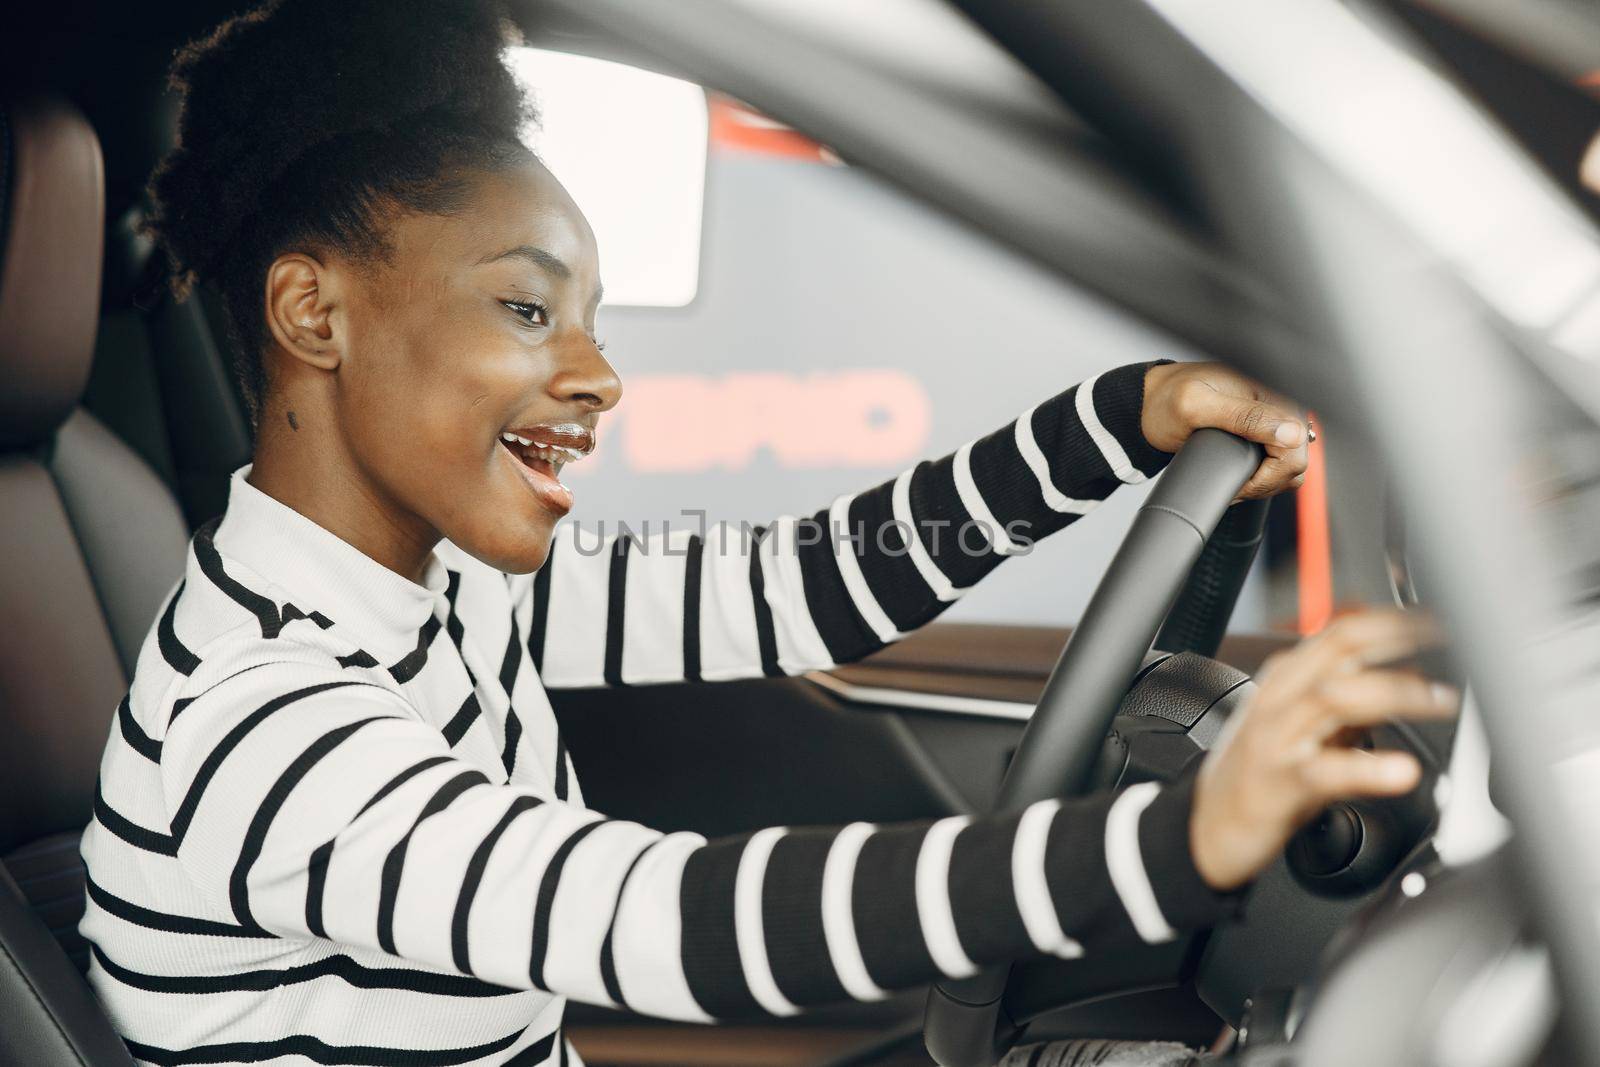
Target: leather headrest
(52,227)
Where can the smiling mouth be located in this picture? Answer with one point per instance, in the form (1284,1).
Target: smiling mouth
(541,451)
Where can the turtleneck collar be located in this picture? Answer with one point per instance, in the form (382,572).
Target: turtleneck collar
(321,571)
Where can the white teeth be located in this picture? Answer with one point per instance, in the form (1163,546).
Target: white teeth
(553,453)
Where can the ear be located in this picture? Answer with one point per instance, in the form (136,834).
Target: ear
(300,310)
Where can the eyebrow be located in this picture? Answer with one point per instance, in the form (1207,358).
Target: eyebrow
(537,256)
(540,258)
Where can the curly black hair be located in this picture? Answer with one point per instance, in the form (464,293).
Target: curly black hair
(303,123)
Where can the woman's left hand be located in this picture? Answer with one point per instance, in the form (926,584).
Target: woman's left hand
(1180,398)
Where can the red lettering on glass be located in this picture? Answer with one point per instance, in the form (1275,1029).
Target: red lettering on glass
(686,423)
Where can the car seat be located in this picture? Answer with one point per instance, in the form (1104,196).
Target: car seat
(162,380)
(90,543)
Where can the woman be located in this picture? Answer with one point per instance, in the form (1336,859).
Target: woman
(337,823)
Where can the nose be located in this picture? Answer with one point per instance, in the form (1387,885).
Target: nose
(585,377)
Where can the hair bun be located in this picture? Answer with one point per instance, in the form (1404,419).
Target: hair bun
(265,90)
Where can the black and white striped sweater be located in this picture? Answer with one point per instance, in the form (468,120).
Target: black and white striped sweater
(336,822)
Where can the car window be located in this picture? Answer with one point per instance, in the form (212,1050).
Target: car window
(836,331)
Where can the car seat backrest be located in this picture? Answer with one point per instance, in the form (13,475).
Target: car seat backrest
(162,380)
(90,543)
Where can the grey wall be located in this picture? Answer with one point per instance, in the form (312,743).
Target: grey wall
(812,267)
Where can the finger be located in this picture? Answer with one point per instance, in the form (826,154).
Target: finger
(1262,421)
(1294,455)
(1300,452)
(1371,697)
(1298,459)
(1275,474)
(1346,773)
(1346,645)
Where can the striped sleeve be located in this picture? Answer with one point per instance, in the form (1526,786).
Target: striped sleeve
(309,806)
(803,593)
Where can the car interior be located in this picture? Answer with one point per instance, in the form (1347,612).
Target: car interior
(121,421)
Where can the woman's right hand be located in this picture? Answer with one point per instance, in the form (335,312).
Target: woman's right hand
(1288,753)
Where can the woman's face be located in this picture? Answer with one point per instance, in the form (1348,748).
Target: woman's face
(470,373)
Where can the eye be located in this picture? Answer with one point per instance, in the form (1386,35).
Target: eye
(532,313)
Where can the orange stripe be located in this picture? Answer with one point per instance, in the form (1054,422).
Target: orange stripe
(735,127)
(1315,546)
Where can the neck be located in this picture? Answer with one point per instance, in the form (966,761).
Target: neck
(307,466)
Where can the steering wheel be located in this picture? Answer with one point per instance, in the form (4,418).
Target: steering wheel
(963,1025)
